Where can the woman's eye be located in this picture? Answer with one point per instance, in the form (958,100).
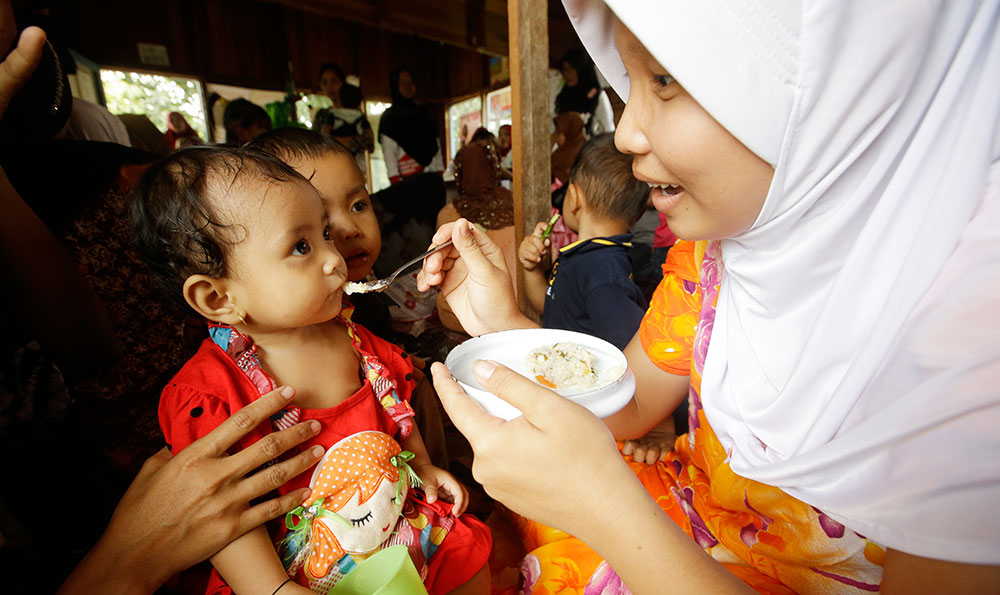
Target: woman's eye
(301,248)
(661,81)
(327,233)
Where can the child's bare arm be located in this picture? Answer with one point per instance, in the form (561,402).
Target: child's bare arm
(251,566)
(532,254)
(438,483)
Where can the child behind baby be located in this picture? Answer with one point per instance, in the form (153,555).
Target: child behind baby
(246,241)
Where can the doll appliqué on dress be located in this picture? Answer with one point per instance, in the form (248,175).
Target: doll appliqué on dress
(359,504)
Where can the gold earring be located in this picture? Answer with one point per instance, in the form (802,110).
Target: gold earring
(239,315)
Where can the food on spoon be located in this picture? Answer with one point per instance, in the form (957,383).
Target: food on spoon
(350,288)
(562,365)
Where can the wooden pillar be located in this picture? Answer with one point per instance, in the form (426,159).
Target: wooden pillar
(528,24)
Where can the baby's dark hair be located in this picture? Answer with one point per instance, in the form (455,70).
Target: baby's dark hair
(604,174)
(297,143)
(177,231)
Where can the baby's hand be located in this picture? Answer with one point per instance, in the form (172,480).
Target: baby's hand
(652,447)
(532,250)
(438,483)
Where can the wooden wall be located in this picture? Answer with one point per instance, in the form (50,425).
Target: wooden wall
(248,43)
(562,35)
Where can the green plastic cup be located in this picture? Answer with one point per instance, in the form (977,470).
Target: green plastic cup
(387,572)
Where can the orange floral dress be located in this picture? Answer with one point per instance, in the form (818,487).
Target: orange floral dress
(770,540)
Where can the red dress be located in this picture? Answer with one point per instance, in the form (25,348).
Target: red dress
(225,375)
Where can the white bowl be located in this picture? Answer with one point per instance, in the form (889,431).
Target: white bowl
(510,348)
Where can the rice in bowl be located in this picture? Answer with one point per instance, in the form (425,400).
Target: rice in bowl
(562,365)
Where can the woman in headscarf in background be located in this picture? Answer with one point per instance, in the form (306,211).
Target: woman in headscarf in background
(841,369)
(505,145)
(413,162)
(582,93)
(580,88)
(568,139)
(407,132)
(481,197)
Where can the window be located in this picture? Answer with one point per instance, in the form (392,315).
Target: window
(467,116)
(498,109)
(155,95)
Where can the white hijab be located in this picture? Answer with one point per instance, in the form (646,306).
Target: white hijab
(855,356)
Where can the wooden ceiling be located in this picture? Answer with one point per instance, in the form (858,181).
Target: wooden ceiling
(251,42)
(480,25)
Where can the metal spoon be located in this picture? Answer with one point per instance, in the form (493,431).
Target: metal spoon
(351,287)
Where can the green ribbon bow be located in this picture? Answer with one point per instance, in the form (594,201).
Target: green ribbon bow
(402,462)
(306,514)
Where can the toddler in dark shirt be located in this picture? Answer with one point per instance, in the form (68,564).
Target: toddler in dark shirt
(590,287)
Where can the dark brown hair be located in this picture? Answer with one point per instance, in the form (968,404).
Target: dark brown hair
(177,232)
(604,174)
(242,113)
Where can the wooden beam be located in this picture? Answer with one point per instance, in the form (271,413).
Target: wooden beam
(475,23)
(529,62)
(439,20)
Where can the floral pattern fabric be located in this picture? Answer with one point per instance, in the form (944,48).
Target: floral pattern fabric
(148,327)
(773,542)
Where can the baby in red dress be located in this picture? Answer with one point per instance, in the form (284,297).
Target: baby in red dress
(248,243)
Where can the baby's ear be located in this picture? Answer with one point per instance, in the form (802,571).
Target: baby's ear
(208,296)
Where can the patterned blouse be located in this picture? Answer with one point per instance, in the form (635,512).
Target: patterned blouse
(770,540)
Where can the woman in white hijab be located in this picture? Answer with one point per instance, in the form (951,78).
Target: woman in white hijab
(840,158)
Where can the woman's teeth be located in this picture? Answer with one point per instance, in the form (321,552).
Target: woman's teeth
(666,188)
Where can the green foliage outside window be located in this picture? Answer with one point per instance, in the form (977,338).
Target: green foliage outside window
(155,96)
